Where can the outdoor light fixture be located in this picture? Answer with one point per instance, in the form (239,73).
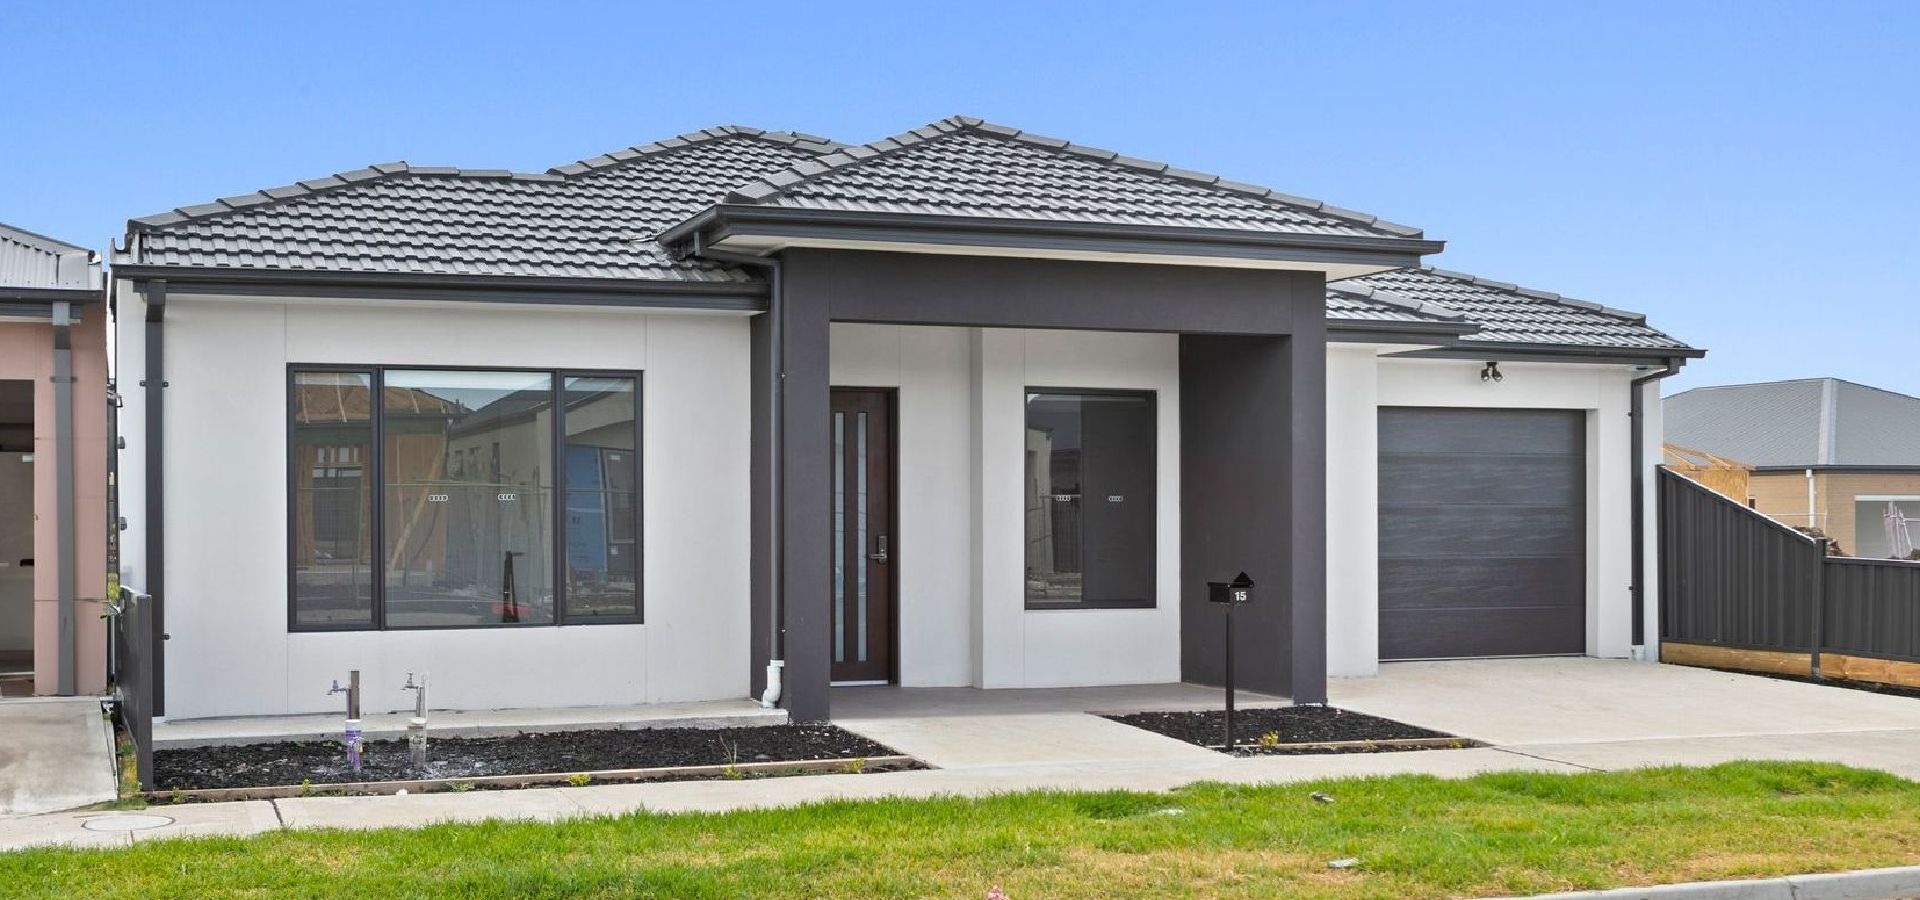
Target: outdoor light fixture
(1492,373)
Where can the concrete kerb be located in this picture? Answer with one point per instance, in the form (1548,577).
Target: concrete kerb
(1866,884)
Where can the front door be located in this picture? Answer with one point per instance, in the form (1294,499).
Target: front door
(861,485)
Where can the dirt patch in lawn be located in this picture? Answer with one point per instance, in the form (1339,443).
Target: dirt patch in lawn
(1294,730)
(320,763)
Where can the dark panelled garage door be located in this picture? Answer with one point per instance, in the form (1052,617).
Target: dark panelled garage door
(1482,532)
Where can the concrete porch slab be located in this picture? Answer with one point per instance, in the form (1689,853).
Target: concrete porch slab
(55,753)
(466,723)
(970,727)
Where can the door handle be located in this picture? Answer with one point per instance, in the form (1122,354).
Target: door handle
(881,556)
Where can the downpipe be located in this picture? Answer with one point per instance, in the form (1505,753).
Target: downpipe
(1637,412)
(776,474)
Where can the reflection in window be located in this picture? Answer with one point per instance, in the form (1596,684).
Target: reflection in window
(468,494)
(332,525)
(1090,498)
(603,521)
(1886,528)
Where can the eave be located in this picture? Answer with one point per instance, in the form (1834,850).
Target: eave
(763,231)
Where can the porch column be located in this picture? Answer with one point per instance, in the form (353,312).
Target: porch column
(790,522)
(1253,498)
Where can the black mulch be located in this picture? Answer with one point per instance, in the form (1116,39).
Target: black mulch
(324,762)
(1289,725)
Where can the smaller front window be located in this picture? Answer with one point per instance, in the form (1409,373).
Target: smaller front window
(1090,480)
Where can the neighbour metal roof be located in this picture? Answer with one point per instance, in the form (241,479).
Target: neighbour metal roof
(1506,313)
(1809,422)
(591,219)
(30,260)
(963,166)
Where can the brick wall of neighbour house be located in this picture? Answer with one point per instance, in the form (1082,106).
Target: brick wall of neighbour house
(1783,495)
(26,352)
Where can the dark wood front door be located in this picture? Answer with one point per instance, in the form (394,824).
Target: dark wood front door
(861,490)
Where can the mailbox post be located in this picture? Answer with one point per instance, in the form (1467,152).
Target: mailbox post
(1231,594)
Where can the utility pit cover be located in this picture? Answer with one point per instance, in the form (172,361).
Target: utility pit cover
(126,823)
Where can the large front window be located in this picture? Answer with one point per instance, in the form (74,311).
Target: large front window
(496,498)
(1090,498)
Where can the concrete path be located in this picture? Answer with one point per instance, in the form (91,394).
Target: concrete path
(1562,715)
(55,753)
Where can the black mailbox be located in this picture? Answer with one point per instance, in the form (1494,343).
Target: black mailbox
(1239,590)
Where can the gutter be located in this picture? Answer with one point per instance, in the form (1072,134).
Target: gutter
(727,220)
(776,467)
(1638,590)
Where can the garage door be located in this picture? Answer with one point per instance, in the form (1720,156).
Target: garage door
(1482,533)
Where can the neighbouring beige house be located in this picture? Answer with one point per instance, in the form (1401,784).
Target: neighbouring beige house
(1826,453)
(53,467)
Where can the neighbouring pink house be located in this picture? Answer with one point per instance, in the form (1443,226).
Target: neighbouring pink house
(54,397)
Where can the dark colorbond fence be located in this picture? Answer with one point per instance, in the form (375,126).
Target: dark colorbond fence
(132,667)
(1733,578)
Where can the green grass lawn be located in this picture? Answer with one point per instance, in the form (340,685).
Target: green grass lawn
(1415,836)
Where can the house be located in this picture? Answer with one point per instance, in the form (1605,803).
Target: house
(53,466)
(1828,454)
(749,413)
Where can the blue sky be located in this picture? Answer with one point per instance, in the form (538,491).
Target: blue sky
(1746,173)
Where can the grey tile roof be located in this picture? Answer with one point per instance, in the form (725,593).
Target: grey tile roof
(966,167)
(1350,302)
(30,260)
(591,219)
(1506,313)
(1806,422)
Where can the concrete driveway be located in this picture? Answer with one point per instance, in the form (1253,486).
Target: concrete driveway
(54,754)
(1617,713)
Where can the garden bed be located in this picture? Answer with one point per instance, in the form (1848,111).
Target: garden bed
(1294,730)
(289,768)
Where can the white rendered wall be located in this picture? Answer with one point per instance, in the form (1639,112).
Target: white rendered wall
(961,566)
(231,652)
(1061,647)
(1353,398)
(1353,493)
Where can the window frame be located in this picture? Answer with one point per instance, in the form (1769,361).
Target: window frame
(1152,396)
(375,470)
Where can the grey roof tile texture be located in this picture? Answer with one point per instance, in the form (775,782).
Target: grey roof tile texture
(966,167)
(1508,314)
(1802,423)
(592,219)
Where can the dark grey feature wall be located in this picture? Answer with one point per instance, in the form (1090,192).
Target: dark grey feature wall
(1253,400)
(997,292)
(1253,499)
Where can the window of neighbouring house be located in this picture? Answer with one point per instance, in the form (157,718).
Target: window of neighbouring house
(1885,527)
(1089,496)
(497,498)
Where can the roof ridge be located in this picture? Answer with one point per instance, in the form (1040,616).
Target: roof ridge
(1414,304)
(1629,315)
(778,183)
(800,139)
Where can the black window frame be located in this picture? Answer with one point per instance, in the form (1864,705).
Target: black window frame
(1152,396)
(376,475)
